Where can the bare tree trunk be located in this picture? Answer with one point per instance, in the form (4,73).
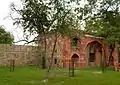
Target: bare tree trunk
(52,55)
(103,59)
(38,64)
(112,46)
(44,54)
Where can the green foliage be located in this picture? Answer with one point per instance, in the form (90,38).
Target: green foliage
(99,16)
(5,37)
(105,19)
(39,17)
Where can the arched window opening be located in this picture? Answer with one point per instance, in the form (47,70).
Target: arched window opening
(75,58)
(75,41)
(94,54)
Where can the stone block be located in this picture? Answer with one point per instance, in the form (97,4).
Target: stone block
(9,48)
(2,47)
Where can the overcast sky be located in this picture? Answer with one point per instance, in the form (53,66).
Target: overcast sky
(7,22)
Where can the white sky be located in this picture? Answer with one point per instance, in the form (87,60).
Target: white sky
(7,22)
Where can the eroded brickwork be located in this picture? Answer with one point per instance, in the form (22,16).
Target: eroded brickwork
(21,54)
(83,52)
(64,52)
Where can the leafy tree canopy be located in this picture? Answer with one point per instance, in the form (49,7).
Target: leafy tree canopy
(5,37)
(41,16)
(104,19)
(99,16)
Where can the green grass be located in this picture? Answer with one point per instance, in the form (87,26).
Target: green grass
(33,76)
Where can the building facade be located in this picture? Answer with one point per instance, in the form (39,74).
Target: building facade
(88,52)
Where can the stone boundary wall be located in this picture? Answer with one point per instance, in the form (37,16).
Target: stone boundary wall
(23,55)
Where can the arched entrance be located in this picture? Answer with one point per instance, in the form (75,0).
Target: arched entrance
(94,54)
(75,60)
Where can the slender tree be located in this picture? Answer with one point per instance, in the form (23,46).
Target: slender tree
(41,17)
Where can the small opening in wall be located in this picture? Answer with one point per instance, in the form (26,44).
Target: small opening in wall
(55,61)
(75,41)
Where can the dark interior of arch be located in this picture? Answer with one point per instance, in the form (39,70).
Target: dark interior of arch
(75,57)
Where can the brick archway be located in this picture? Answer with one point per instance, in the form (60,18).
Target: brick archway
(93,54)
(91,41)
(75,59)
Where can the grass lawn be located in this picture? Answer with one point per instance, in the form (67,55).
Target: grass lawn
(33,76)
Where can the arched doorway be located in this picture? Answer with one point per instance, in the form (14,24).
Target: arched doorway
(94,54)
(75,60)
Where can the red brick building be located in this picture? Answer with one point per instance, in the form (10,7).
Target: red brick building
(88,52)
